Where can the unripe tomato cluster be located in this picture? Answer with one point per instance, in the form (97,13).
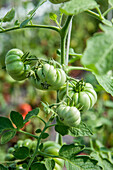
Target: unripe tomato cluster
(78,96)
(49,147)
(81,97)
(31,145)
(44,77)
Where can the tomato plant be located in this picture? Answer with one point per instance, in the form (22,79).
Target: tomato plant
(73,96)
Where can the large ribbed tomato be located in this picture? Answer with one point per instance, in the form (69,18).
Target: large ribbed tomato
(83,98)
(47,77)
(69,116)
(15,66)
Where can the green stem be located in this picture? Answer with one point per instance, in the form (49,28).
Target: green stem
(99,12)
(95,15)
(37,147)
(34,136)
(69,68)
(68,42)
(107,11)
(32,26)
(63,34)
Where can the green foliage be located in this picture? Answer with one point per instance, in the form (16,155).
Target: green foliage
(81,130)
(9,16)
(38,166)
(98,53)
(52,75)
(5,124)
(7,136)
(68,151)
(31,114)
(75,7)
(81,162)
(106,82)
(21,153)
(50,164)
(17,119)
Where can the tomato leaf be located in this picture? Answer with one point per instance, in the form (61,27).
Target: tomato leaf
(81,162)
(80,130)
(21,152)
(17,119)
(75,7)
(31,114)
(106,82)
(50,164)
(5,124)
(38,166)
(45,135)
(38,131)
(9,16)
(34,10)
(53,16)
(25,22)
(104,163)
(68,151)
(7,136)
(98,55)
(63,130)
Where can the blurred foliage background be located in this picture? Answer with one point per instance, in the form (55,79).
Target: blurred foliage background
(44,44)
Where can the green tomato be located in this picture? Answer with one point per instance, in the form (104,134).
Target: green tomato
(34,144)
(69,116)
(20,143)
(15,66)
(9,157)
(48,144)
(58,1)
(27,143)
(11,150)
(53,148)
(83,98)
(20,167)
(47,77)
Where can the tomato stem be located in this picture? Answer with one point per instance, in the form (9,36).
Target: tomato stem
(63,34)
(69,68)
(34,136)
(32,26)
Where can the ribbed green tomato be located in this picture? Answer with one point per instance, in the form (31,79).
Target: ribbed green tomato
(83,99)
(47,77)
(69,116)
(53,148)
(15,66)
(58,1)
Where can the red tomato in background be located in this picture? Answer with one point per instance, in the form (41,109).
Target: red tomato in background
(24,109)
